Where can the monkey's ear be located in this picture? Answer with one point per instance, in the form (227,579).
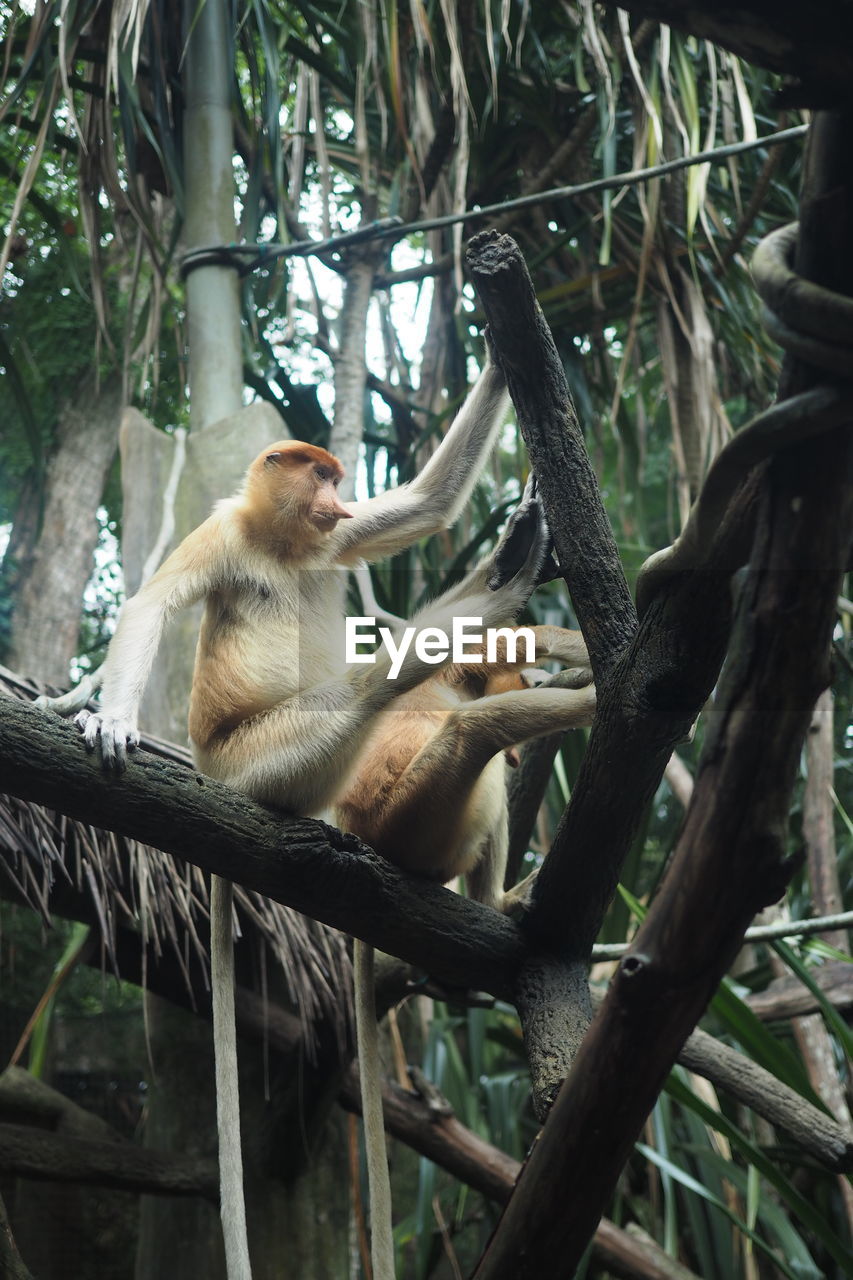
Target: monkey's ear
(272,459)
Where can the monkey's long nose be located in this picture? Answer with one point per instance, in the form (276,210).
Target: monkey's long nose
(337,510)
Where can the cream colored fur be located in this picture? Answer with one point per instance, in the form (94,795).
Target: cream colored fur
(274,712)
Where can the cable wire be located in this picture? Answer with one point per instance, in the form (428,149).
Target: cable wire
(261,255)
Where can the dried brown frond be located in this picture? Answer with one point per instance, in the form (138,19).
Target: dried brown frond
(130,885)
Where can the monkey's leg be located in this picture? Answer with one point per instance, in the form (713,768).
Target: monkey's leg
(517,558)
(485,880)
(296,754)
(428,822)
(568,647)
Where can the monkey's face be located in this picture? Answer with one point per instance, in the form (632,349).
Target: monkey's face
(302,482)
(325,508)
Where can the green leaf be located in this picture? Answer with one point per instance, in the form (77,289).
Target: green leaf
(760,1043)
(692,1184)
(831,1015)
(677,1088)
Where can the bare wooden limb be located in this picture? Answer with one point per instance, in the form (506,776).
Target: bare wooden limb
(824,1138)
(301,862)
(45,1135)
(11,1263)
(265,1022)
(819,817)
(435,1132)
(814,46)
(650,687)
(27,1152)
(583,538)
(788,998)
(552,997)
(651,683)
(26,1099)
(730,859)
(810,1032)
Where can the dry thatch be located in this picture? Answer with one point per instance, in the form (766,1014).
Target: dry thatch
(130,885)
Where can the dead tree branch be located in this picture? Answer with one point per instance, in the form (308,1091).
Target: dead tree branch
(298,861)
(814,45)
(651,682)
(788,998)
(730,859)
(11,1263)
(435,1132)
(27,1152)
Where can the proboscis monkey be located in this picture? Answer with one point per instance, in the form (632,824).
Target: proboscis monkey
(274,709)
(428,792)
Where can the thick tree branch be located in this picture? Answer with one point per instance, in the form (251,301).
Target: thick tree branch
(45,1135)
(11,1263)
(435,1132)
(298,861)
(651,682)
(730,859)
(27,1152)
(583,539)
(788,998)
(263,1021)
(813,44)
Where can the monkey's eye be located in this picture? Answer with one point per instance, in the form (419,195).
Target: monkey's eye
(271,459)
(322,473)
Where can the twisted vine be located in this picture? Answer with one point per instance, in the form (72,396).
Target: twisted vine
(816,326)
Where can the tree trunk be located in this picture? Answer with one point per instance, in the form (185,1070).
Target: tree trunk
(54,559)
(811,1032)
(298,1227)
(350,366)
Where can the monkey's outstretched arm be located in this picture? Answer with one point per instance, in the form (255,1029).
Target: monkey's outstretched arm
(182,579)
(434,500)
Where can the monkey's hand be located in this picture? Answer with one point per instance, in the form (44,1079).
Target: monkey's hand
(117,735)
(525,545)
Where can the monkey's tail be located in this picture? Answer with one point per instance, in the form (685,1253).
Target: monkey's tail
(378,1180)
(68,704)
(232,1206)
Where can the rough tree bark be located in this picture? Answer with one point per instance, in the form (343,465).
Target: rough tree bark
(350,367)
(730,859)
(298,861)
(265,1022)
(651,682)
(54,561)
(813,45)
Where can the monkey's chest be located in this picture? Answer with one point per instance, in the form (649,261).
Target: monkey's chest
(270,639)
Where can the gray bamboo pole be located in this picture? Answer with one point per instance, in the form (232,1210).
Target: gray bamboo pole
(213,301)
(216,384)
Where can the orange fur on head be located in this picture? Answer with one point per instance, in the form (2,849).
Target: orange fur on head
(296,453)
(297,482)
